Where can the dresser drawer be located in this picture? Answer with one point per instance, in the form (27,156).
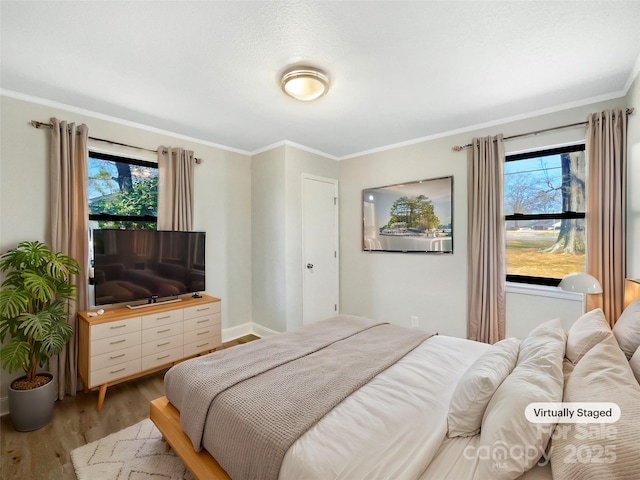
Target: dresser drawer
(161,358)
(98,362)
(200,334)
(159,319)
(111,374)
(164,331)
(202,345)
(110,329)
(119,342)
(209,320)
(151,348)
(200,310)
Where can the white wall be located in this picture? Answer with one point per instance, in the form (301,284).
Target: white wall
(222,196)
(394,287)
(268,246)
(633,182)
(277,232)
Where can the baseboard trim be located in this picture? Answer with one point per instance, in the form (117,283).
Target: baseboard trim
(4,406)
(238,331)
(261,331)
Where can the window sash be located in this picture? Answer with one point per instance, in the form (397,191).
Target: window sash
(536,280)
(107,217)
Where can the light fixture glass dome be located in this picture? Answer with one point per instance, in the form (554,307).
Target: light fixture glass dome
(305,83)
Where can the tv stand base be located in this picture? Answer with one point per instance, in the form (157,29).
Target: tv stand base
(154,304)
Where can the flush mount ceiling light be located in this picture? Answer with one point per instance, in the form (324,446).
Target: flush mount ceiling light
(305,83)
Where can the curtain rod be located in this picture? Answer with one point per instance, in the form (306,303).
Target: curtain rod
(36,124)
(458,148)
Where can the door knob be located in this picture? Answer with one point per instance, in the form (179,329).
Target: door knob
(309,266)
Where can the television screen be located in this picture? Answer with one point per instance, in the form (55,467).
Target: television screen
(133,265)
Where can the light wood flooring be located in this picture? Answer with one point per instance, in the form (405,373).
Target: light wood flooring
(45,453)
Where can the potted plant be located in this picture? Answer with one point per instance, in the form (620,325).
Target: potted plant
(34,315)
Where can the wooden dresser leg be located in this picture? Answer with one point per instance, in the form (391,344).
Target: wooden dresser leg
(101,394)
(167,447)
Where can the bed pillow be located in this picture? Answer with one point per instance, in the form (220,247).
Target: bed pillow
(509,444)
(592,450)
(589,330)
(634,363)
(477,386)
(627,329)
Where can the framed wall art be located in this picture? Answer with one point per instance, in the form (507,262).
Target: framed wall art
(413,217)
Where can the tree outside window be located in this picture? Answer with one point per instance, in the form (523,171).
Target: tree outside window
(544,203)
(123,192)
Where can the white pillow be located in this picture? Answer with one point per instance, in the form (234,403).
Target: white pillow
(627,329)
(537,339)
(600,451)
(589,330)
(477,386)
(634,363)
(509,443)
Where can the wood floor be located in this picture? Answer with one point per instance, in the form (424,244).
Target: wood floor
(45,453)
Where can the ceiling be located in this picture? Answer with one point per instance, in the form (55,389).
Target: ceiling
(399,70)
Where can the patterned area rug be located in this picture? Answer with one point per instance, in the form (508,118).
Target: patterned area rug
(135,453)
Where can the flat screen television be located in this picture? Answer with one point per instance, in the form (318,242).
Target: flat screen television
(137,265)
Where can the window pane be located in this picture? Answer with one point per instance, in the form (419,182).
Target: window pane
(545,184)
(125,225)
(120,188)
(548,248)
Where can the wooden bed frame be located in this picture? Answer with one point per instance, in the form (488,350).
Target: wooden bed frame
(201,464)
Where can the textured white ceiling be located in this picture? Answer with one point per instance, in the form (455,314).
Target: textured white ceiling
(399,70)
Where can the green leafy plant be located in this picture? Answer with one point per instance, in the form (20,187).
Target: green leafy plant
(34,306)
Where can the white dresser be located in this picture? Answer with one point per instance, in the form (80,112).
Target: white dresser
(123,344)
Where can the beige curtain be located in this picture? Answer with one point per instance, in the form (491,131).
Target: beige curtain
(175,193)
(606,212)
(486,248)
(69,232)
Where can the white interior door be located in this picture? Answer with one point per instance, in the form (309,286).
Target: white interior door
(319,248)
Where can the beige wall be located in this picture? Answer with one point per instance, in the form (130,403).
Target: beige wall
(394,287)
(222,196)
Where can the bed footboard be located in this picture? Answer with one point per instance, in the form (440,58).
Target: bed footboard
(201,464)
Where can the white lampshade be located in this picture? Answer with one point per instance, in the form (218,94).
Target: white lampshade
(580,282)
(305,83)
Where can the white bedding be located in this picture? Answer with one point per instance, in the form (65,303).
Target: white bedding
(393,426)
(451,462)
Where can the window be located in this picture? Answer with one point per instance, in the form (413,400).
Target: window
(544,205)
(123,192)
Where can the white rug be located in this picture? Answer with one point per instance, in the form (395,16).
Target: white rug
(135,453)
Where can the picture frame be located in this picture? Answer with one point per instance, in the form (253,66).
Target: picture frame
(411,217)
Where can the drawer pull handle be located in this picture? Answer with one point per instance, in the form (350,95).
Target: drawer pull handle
(118,326)
(202,309)
(113,357)
(202,345)
(206,320)
(203,333)
(163,318)
(118,341)
(163,331)
(119,370)
(164,356)
(162,344)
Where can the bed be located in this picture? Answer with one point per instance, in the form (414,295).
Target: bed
(445,408)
